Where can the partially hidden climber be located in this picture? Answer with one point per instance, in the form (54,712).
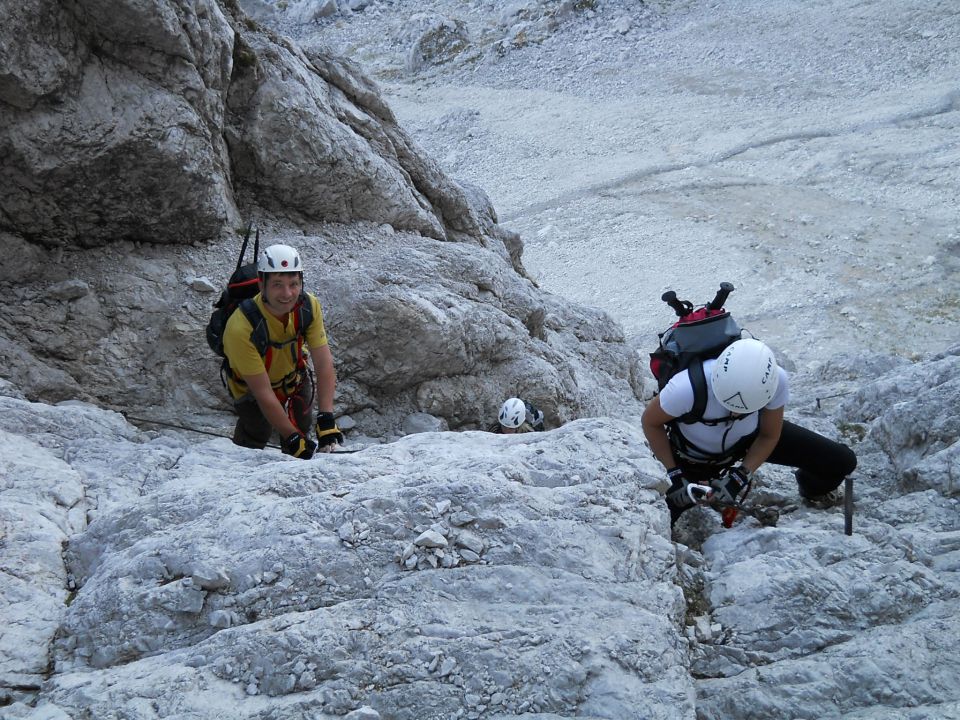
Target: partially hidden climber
(517,416)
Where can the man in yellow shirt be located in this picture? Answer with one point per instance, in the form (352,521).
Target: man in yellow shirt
(265,342)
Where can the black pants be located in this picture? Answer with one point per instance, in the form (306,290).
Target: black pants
(253,430)
(821,463)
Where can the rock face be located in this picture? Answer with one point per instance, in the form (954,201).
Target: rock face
(149,121)
(309,133)
(470,574)
(114,129)
(515,574)
(172,123)
(415,324)
(922,444)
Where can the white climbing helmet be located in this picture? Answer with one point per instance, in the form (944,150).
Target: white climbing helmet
(279,258)
(513,413)
(745,376)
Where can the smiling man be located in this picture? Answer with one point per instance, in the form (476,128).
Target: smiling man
(266,346)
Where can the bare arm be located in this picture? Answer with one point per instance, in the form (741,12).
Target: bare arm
(328,434)
(653,421)
(771,423)
(259,386)
(326,377)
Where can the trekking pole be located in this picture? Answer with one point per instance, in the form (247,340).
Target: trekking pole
(848,505)
(243,248)
(721,297)
(681,307)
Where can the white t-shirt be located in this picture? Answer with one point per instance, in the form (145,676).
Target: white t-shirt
(676,399)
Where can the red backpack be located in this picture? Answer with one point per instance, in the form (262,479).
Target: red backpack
(700,334)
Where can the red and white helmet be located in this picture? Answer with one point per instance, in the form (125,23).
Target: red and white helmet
(745,376)
(279,258)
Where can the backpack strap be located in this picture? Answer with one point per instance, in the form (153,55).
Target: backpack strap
(699,382)
(260,335)
(305,310)
(303,316)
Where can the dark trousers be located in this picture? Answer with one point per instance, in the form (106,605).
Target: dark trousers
(821,463)
(253,430)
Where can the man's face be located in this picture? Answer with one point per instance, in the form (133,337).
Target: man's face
(508,430)
(281,290)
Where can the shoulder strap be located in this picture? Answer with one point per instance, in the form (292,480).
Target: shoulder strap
(304,314)
(301,322)
(699,382)
(259,335)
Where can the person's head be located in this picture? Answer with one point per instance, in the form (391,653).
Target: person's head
(281,276)
(513,414)
(745,376)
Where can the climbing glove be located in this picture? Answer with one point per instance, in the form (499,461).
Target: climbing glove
(727,487)
(300,446)
(327,431)
(678,499)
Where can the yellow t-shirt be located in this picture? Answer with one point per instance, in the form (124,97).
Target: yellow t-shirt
(242,353)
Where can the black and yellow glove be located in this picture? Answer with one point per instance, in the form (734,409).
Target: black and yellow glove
(300,446)
(327,431)
(731,487)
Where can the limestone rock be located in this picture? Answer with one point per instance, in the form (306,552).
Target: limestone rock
(114,128)
(524,574)
(139,127)
(422,422)
(911,415)
(148,120)
(440,40)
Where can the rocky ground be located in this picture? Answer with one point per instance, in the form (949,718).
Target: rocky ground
(806,154)
(470,575)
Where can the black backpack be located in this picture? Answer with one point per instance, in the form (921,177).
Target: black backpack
(700,334)
(243,284)
(241,288)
